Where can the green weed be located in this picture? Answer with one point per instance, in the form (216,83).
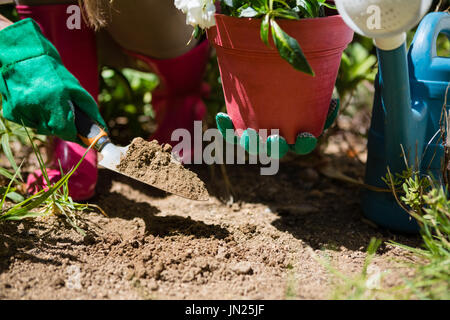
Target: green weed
(54,200)
(363,286)
(426,201)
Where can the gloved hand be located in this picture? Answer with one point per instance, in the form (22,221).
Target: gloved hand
(36,87)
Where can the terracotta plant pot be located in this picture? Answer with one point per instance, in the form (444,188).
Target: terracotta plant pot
(263,91)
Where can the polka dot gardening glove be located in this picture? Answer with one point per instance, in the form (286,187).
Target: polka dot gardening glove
(36,88)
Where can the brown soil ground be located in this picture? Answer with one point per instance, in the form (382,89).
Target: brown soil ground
(265,244)
(153,246)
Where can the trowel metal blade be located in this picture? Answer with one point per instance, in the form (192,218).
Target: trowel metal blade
(110,159)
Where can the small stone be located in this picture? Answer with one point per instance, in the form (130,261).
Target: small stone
(242,268)
(140,270)
(248,229)
(235,207)
(135,244)
(188,276)
(159,268)
(59,282)
(89,239)
(129,275)
(146,256)
(153,286)
(141,273)
(222,253)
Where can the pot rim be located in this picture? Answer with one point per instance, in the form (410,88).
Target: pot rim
(289,21)
(333,28)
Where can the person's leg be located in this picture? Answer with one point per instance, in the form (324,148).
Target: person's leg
(178,100)
(155,28)
(77,48)
(155,32)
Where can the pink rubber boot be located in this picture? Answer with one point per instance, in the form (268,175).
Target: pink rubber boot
(77,48)
(178,100)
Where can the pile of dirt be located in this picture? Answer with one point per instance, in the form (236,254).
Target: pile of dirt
(150,162)
(153,246)
(270,241)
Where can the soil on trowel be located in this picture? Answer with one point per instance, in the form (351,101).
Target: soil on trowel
(152,163)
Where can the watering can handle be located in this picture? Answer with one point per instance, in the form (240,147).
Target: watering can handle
(424,44)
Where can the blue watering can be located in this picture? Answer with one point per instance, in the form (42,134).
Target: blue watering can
(409,97)
(406,119)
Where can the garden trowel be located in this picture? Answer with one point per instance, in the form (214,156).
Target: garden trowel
(91,133)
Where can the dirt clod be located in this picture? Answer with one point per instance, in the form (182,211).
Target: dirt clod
(89,239)
(242,268)
(152,163)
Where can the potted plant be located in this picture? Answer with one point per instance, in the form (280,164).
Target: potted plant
(278,61)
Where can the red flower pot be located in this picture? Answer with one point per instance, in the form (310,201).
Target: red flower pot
(263,91)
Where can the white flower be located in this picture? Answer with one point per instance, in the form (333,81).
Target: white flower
(182,5)
(198,12)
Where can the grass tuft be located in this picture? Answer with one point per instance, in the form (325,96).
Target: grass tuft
(53,200)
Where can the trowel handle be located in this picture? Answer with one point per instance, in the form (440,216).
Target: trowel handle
(89,131)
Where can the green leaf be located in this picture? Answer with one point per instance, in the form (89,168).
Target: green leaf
(248,13)
(229,3)
(22,210)
(289,49)
(306,8)
(6,173)
(8,153)
(2,125)
(197,32)
(24,215)
(325,4)
(8,188)
(283,3)
(265,29)
(286,14)
(15,197)
(39,157)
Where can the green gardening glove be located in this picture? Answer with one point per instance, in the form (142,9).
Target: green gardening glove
(36,87)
